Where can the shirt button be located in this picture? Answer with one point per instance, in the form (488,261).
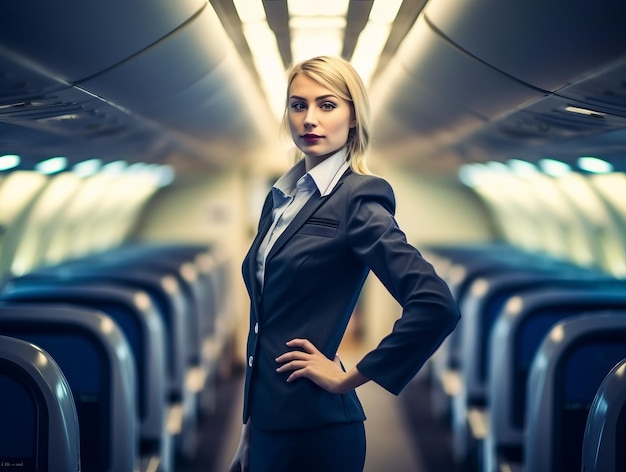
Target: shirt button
(256,328)
(250,360)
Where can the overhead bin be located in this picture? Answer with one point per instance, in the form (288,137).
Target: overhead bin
(85,38)
(458,77)
(433,86)
(201,80)
(166,68)
(406,113)
(544,44)
(41,116)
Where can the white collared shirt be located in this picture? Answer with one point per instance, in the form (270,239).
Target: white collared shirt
(291,192)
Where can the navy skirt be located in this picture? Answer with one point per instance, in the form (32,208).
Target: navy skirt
(333,448)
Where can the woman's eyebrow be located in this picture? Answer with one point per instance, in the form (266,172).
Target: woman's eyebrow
(317,99)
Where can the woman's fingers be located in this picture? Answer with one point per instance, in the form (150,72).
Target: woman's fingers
(305,344)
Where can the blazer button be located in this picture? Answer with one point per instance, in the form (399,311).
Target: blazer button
(256,328)
(250,360)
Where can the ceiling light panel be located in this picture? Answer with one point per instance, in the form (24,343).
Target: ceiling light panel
(318,7)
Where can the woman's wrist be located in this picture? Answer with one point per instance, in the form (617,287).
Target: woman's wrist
(351,380)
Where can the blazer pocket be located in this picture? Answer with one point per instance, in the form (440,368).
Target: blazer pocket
(320,227)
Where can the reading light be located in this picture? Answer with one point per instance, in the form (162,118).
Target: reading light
(584,111)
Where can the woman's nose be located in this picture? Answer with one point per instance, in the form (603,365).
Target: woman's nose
(310,119)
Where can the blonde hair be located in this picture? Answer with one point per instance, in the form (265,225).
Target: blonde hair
(338,75)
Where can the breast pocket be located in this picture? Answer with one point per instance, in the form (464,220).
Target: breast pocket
(320,227)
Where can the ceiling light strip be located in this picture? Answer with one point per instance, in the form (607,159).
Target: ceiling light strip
(374,36)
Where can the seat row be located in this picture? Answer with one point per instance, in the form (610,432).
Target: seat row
(136,335)
(517,378)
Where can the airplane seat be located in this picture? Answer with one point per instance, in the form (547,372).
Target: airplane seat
(468,264)
(203,268)
(482,305)
(39,424)
(517,334)
(447,362)
(135,314)
(197,284)
(208,284)
(605,430)
(97,361)
(570,365)
(167,295)
(463,264)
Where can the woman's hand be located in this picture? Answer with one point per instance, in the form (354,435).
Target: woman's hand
(241,460)
(310,363)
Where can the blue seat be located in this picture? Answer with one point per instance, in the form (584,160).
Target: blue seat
(136,316)
(39,428)
(480,307)
(570,365)
(200,272)
(98,363)
(446,363)
(467,264)
(605,431)
(166,294)
(525,320)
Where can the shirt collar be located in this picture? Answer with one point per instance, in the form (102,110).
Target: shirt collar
(325,175)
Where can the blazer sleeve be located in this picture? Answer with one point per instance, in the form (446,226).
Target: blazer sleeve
(429,311)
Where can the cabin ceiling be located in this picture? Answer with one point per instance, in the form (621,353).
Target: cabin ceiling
(175,82)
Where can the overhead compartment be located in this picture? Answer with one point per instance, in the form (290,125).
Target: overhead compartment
(187,95)
(411,122)
(77,39)
(440,93)
(193,81)
(604,91)
(544,44)
(585,117)
(41,116)
(166,68)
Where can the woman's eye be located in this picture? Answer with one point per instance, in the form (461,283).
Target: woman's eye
(298,106)
(328,106)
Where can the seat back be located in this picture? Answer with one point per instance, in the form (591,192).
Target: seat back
(97,361)
(164,292)
(517,335)
(136,316)
(483,304)
(39,428)
(605,431)
(566,373)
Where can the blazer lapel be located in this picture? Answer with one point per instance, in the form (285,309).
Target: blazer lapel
(264,226)
(303,215)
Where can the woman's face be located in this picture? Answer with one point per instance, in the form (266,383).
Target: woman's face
(318,119)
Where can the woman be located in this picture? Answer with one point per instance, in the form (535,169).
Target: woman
(324,225)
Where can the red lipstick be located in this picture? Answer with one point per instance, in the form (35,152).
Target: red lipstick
(311,138)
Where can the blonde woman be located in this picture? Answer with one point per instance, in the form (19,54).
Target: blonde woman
(325,224)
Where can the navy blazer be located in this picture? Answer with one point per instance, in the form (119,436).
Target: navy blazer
(313,277)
